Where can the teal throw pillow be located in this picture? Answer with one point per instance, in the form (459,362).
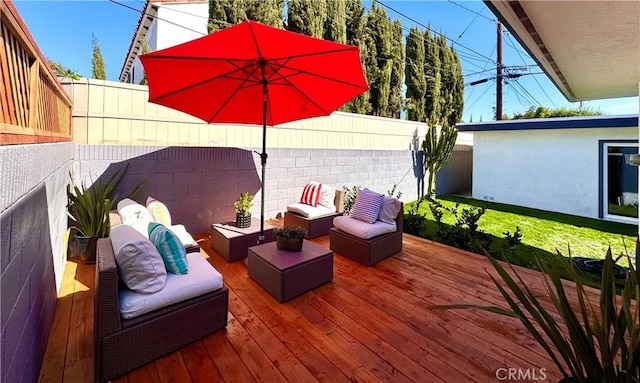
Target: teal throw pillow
(170,248)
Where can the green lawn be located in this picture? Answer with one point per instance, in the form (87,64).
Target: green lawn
(542,232)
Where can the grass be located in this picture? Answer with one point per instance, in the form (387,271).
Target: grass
(543,233)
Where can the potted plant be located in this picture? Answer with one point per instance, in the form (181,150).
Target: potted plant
(590,341)
(89,206)
(289,238)
(242,206)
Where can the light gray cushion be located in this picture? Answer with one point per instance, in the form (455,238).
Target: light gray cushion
(202,278)
(139,262)
(362,229)
(390,209)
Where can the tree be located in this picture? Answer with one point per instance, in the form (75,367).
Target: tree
(379,76)
(145,49)
(355,33)
(307,17)
(544,112)
(62,71)
(437,148)
(99,72)
(224,13)
(335,26)
(432,72)
(269,12)
(415,78)
(397,71)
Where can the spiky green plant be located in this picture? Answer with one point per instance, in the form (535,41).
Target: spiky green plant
(89,206)
(437,148)
(588,343)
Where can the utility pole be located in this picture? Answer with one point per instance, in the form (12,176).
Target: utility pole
(499,74)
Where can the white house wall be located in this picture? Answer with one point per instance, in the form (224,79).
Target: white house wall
(554,170)
(188,21)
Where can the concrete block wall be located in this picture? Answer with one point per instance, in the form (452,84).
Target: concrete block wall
(199,185)
(32,227)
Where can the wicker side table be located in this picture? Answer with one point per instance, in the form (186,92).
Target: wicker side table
(232,242)
(286,275)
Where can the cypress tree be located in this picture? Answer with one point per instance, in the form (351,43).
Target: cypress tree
(415,78)
(98,72)
(145,49)
(355,29)
(268,12)
(457,90)
(432,72)
(307,17)
(223,13)
(380,31)
(397,71)
(335,26)
(446,78)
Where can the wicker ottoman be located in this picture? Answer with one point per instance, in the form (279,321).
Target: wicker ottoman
(232,242)
(286,275)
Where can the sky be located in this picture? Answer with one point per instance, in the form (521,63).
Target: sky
(63,31)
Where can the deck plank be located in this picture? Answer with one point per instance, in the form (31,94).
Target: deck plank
(370,324)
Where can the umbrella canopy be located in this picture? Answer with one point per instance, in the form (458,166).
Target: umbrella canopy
(252,73)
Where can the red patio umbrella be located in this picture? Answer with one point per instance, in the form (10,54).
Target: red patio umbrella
(252,73)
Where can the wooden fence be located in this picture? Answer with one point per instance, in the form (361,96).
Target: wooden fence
(35,108)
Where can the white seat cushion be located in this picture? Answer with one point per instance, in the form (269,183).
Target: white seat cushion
(181,232)
(310,211)
(363,229)
(201,279)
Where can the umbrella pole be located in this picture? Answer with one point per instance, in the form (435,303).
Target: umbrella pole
(263,159)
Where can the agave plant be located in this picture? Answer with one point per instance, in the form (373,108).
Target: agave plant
(589,343)
(89,206)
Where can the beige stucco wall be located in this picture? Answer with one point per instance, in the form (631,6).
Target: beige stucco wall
(114,113)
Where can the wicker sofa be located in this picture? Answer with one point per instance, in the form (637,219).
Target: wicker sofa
(368,251)
(125,344)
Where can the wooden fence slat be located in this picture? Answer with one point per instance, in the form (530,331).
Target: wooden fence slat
(6,67)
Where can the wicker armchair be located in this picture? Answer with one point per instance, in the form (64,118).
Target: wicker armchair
(125,344)
(316,226)
(368,251)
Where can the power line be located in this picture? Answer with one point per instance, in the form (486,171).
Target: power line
(536,80)
(432,31)
(472,11)
(483,93)
(141,11)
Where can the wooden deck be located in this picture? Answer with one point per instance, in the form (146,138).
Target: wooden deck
(369,324)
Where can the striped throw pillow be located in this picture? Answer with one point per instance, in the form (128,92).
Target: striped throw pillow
(367,206)
(170,248)
(311,194)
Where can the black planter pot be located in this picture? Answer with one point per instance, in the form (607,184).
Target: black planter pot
(243,221)
(87,248)
(289,244)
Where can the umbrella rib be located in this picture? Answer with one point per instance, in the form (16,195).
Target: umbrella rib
(232,94)
(197,84)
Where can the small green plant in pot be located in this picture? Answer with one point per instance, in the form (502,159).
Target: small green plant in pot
(243,206)
(289,238)
(89,206)
(590,341)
